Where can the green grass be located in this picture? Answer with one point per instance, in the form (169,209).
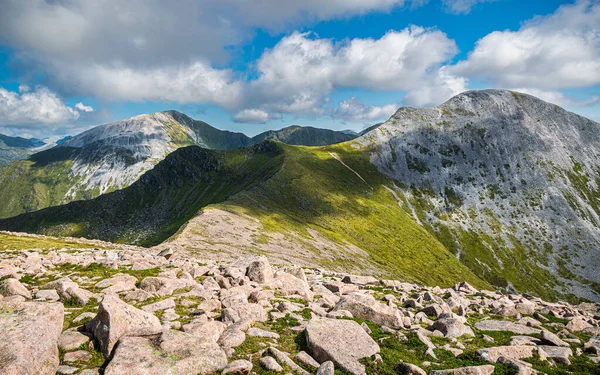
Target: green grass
(317,192)
(11,242)
(161,201)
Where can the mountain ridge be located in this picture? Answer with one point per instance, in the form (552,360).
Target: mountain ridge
(114,155)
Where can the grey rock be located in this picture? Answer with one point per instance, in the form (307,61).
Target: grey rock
(239,367)
(344,342)
(503,325)
(304,358)
(171,352)
(20,322)
(260,271)
(471,370)
(13,287)
(452,327)
(326,368)
(71,340)
(270,364)
(116,319)
(366,307)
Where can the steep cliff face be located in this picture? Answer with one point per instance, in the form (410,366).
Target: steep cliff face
(506,181)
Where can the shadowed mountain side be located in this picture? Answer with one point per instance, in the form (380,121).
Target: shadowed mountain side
(155,206)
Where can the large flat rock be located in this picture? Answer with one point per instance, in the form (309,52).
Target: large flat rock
(29,333)
(344,342)
(503,325)
(171,352)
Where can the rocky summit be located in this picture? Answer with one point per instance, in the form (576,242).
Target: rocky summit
(84,307)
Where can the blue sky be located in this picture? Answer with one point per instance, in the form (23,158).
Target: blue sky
(253,65)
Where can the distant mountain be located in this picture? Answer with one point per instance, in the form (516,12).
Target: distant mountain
(304,136)
(493,186)
(15,148)
(113,156)
(321,205)
(507,182)
(63,139)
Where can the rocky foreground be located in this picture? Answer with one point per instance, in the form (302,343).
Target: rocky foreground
(111,312)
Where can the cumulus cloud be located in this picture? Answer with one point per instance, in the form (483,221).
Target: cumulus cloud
(254,116)
(37,106)
(436,89)
(83,108)
(297,75)
(558,51)
(354,110)
(462,6)
(194,83)
(153,33)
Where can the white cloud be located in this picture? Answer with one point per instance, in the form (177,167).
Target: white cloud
(354,110)
(154,51)
(436,90)
(254,116)
(558,51)
(83,108)
(298,74)
(194,83)
(37,106)
(462,6)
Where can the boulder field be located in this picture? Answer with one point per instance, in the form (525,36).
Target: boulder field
(92,311)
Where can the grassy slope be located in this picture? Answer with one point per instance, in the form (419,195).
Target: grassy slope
(12,242)
(314,190)
(288,188)
(155,206)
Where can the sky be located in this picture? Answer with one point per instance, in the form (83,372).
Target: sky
(254,65)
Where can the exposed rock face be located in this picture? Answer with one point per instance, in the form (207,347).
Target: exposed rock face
(364,306)
(171,352)
(116,319)
(343,342)
(526,166)
(28,335)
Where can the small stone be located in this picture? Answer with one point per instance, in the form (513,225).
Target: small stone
(410,369)
(551,338)
(471,370)
(257,332)
(270,364)
(326,368)
(71,340)
(13,287)
(307,360)
(78,356)
(66,370)
(239,367)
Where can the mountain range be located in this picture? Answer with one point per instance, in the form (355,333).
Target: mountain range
(493,187)
(113,156)
(15,148)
